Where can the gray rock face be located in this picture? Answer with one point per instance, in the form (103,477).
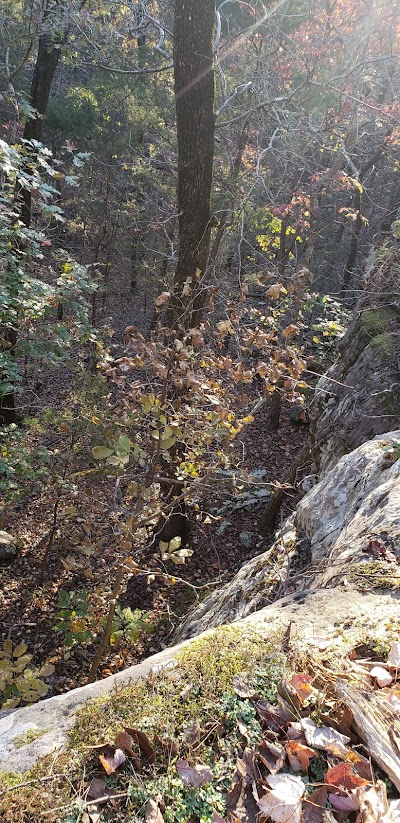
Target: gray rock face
(51,719)
(360,395)
(316,619)
(8,547)
(329,533)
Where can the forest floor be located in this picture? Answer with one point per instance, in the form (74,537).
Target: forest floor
(81,553)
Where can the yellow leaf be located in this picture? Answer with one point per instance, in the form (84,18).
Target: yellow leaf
(274,290)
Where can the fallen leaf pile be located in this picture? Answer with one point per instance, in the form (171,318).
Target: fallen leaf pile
(311,765)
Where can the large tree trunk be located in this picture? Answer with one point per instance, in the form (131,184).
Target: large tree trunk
(54,32)
(194,97)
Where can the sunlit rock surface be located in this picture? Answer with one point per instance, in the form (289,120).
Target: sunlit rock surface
(329,541)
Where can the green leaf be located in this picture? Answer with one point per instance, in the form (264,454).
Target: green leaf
(63,599)
(124,444)
(46,670)
(20,649)
(101,452)
(114,460)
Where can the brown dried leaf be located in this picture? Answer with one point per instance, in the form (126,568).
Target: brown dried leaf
(169,747)
(393,813)
(269,719)
(246,767)
(143,742)
(192,734)
(288,696)
(302,685)
(343,802)
(272,755)
(382,676)
(124,741)
(322,737)
(362,766)
(274,290)
(97,788)
(314,807)
(193,775)
(153,814)
(394,655)
(299,756)
(344,777)
(243,689)
(372,802)
(240,804)
(295,732)
(283,803)
(162,299)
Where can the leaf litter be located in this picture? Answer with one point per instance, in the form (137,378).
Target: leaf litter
(300,770)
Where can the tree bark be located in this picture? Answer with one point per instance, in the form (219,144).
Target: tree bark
(269,516)
(194,99)
(54,32)
(195,122)
(53,35)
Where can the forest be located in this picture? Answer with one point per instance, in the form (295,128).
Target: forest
(193,196)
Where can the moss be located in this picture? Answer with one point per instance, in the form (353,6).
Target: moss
(9,779)
(27,737)
(199,687)
(376,321)
(383,344)
(208,665)
(373,575)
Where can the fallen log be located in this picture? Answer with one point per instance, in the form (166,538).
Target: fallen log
(377,725)
(269,516)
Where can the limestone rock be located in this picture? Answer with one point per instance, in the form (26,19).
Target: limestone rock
(360,395)
(326,542)
(316,618)
(8,547)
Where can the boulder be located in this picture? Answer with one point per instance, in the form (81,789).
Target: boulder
(8,547)
(345,532)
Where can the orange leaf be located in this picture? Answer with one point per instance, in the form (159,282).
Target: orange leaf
(299,756)
(111,762)
(302,685)
(343,776)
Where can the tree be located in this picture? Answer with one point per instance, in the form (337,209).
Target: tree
(54,30)
(195,123)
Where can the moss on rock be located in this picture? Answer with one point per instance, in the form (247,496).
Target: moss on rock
(383,344)
(376,321)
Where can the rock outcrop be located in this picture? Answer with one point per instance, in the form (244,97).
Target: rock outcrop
(316,621)
(345,533)
(333,574)
(360,395)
